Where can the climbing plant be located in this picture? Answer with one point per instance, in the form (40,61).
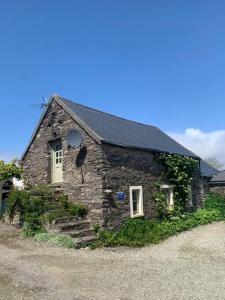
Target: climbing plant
(178,170)
(9,170)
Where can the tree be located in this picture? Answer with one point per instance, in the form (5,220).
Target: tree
(215,163)
(9,170)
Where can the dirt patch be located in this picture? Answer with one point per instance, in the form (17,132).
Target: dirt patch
(188,266)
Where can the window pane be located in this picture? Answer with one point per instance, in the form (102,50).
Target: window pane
(135,199)
(166,192)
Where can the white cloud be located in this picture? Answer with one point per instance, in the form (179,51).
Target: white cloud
(205,144)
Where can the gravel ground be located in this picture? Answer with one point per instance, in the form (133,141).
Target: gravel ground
(188,266)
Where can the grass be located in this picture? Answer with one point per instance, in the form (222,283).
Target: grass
(61,240)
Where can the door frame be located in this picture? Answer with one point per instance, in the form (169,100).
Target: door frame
(53,162)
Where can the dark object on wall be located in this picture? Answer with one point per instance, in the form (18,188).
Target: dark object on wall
(81,156)
(80,160)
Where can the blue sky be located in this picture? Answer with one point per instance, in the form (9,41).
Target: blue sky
(158,62)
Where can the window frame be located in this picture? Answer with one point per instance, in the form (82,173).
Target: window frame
(170,203)
(140,201)
(190,197)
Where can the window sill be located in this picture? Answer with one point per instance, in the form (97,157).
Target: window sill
(137,216)
(170,207)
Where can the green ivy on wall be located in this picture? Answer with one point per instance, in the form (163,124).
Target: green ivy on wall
(178,171)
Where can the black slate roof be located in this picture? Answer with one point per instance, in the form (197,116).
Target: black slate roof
(119,131)
(219,177)
(206,169)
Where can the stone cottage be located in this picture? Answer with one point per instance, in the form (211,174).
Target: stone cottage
(113,170)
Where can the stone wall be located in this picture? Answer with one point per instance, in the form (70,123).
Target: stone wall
(80,183)
(126,167)
(218,188)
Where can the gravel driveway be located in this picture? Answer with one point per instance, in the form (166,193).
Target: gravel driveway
(188,266)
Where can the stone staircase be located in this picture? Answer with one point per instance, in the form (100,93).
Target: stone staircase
(79,229)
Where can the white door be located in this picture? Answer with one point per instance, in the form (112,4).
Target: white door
(57,157)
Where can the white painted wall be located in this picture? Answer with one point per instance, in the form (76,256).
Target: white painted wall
(18,183)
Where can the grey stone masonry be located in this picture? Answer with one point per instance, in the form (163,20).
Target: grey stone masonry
(126,167)
(81,184)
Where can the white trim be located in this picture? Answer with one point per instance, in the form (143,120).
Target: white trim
(140,201)
(190,197)
(171,200)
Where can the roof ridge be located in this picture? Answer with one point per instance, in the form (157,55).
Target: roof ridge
(103,112)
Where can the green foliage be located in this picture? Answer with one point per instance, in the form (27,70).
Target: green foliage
(161,205)
(68,209)
(33,208)
(33,224)
(56,214)
(30,208)
(56,239)
(178,171)
(140,232)
(97,228)
(77,209)
(16,203)
(9,170)
(42,191)
(216,201)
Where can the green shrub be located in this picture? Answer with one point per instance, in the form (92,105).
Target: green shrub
(16,203)
(140,232)
(56,214)
(63,200)
(30,207)
(77,209)
(56,239)
(33,206)
(70,209)
(33,224)
(216,201)
(161,205)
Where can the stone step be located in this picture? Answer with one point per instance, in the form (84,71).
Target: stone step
(66,219)
(78,225)
(80,233)
(85,240)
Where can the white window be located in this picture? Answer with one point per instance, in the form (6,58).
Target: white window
(136,201)
(190,199)
(167,190)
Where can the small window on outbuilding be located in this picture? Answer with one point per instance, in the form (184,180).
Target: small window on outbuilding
(136,201)
(190,197)
(167,190)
